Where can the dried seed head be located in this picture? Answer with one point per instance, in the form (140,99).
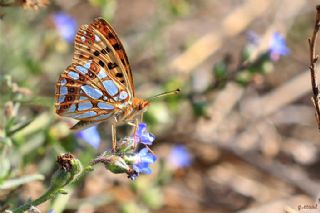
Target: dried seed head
(9,111)
(33,4)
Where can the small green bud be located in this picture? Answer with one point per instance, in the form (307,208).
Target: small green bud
(126,145)
(113,163)
(244,78)
(69,170)
(130,159)
(220,71)
(60,178)
(117,165)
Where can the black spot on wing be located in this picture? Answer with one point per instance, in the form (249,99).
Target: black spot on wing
(116,46)
(112,65)
(101,63)
(105,51)
(96,53)
(111,36)
(119,75)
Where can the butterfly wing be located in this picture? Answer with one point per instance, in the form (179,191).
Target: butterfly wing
(108,47)
(99,80)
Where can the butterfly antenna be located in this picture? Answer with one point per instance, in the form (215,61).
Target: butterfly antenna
(173,92)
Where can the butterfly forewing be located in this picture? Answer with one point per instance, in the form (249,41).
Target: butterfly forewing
(110,36)
(98,40)
(99,79)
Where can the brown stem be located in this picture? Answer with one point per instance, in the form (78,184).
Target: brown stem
(313,61)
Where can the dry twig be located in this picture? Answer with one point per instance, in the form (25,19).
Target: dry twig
(313,61)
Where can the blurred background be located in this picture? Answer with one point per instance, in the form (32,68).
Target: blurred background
(240,137)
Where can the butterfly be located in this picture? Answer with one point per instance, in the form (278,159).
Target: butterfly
(98,85)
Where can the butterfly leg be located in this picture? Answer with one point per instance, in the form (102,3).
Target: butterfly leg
(134,132)
(114,137)
(137,121)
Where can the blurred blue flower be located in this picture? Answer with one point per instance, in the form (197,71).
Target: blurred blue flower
(51,211)
(253,37)
(179,157)
(278,47)
(90,136)
(66,26)
(144,158)
(143,136)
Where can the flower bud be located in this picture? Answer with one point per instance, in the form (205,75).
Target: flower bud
(130,159)
(9,110)
(70,169)
(126,145)
(113,163)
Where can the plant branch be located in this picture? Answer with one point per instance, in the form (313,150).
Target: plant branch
(312,67)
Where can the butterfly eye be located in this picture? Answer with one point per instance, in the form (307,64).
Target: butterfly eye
(143,105)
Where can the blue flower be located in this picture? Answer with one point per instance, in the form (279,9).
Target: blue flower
(253,38)
(143,136)
(51,211)
(143,159)
(90,136)
(66,26)
(179,157)
(278,47)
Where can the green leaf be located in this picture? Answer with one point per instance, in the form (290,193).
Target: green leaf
(9,184)
(18,127)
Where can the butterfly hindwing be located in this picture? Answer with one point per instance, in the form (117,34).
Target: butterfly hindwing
(83,95)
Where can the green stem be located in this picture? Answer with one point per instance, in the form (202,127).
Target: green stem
(46,196)
(52,191)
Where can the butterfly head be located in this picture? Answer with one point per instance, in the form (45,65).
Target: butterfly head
(139,104)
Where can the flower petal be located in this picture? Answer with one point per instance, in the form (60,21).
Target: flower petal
(143,136)
(90,136)
(66,26)
(141,128)
(179,157)
(278,45)
(144,159)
